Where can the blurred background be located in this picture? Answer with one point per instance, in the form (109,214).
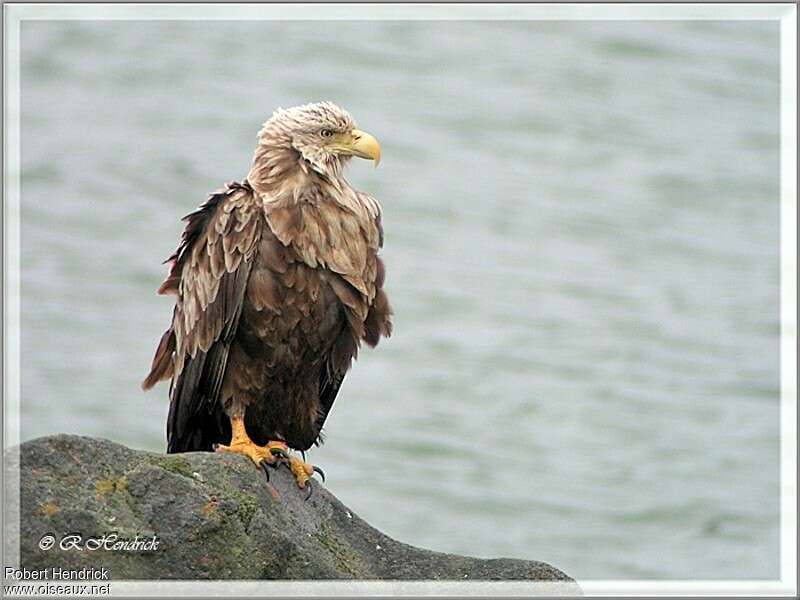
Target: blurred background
(582,226)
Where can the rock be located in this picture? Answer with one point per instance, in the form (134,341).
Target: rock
(213,516)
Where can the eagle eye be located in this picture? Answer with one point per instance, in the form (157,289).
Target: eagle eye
(326,133)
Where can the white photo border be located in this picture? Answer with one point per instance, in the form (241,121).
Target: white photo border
(786,13)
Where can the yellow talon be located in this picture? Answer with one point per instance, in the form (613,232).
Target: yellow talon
(272,453)
(242,444)
(302,471)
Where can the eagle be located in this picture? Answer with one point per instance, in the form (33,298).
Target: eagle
(277,281)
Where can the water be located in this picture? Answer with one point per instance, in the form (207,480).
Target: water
(582,250)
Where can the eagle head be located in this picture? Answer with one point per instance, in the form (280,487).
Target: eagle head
(322,134)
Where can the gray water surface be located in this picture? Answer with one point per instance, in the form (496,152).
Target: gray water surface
(582,249)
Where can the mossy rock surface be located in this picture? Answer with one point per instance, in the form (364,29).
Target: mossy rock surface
(215,517)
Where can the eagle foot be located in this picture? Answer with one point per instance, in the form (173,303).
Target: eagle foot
(309,483)
(269,454)
(302,472)
(272,454)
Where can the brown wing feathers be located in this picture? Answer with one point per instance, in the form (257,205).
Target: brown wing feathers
(376,323)
(212,274)
(194,421)
(162,361)
(209,274)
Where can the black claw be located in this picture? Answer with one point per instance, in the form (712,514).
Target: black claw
(264,468)
(310,489)
(279,452)
(320,471)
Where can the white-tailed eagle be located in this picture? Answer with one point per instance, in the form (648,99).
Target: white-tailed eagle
(278,281)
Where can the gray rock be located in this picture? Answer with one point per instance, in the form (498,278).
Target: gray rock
(215,517)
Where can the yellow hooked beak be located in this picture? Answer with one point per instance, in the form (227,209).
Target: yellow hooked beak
(359,143)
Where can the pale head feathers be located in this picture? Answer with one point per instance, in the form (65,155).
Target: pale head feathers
(312,116)
(299,134)
(293,163)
